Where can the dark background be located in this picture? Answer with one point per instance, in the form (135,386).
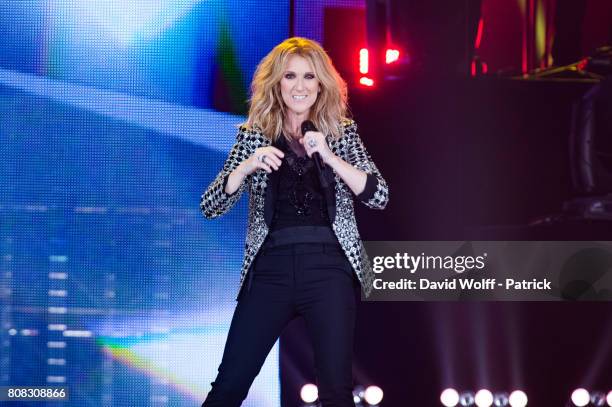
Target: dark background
(483,157)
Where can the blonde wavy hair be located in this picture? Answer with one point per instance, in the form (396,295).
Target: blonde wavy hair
(267,109)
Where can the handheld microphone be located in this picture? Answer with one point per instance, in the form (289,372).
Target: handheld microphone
(307,126)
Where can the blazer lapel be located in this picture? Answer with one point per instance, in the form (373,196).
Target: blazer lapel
(270,200)
(271,193)
(330,192)
(330,177)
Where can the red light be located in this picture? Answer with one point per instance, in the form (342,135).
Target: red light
(478,67)
(391,55)
(366,81)
(363,61)
(479,34)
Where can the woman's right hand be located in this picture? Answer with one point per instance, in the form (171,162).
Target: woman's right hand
(267,158)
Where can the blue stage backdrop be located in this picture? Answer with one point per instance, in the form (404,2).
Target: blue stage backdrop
(114,115)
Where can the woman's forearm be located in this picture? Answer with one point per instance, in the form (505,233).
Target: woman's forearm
(234,180)
(353,177)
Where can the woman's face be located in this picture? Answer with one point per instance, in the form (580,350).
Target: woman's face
(299,85)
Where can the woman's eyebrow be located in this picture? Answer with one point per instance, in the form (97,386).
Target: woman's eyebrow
(305,73)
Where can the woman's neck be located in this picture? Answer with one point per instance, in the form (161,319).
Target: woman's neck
(292,124)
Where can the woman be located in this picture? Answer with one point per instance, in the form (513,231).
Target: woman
(303,254)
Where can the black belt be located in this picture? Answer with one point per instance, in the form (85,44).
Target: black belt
(300,234)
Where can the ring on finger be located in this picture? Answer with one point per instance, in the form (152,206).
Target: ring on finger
(261,158)
(312,142)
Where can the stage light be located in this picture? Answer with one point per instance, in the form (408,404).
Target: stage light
(466,399)
(358,394)
(609,398)
(518,398)
(366,81)
(478,67)
(373,395)
(363,61)
(598,399)
(483,398)
(309,393)
(449,398)
(501,400)
(391,55)
(580,397)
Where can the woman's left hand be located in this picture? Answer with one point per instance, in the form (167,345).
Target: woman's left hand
(314,142)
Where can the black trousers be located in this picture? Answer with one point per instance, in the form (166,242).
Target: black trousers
(311,280)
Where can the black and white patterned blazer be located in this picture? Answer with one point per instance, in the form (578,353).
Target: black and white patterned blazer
(215,202)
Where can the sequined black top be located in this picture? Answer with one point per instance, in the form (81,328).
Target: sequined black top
(300,200)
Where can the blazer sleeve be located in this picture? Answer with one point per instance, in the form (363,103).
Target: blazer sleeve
(376,192)
(215,201)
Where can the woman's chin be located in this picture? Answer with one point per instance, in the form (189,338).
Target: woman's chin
(299,110)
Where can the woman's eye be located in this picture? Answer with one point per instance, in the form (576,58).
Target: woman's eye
(289,76)
(309,76)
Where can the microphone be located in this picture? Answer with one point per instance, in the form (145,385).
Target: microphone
(307,126)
